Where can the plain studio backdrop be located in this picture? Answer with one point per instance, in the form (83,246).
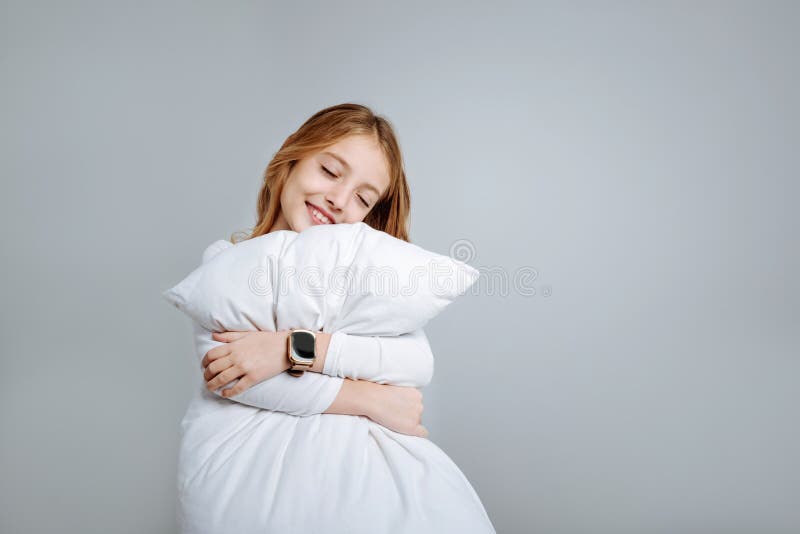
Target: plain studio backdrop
(625,174)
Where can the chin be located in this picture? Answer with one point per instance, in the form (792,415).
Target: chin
(302,224)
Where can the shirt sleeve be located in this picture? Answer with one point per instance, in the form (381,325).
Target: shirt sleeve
(405,360)
(309,394)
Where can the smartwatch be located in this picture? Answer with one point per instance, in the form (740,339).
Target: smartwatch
(302,345)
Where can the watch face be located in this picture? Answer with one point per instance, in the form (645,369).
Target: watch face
(303,345)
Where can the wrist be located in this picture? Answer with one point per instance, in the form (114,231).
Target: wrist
(367,397)
(321,344)
(287,363)
(356,397)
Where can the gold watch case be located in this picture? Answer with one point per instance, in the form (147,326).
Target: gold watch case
(302,345)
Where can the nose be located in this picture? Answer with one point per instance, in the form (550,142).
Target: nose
(336,198)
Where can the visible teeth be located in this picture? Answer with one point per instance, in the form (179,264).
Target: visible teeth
(320,217)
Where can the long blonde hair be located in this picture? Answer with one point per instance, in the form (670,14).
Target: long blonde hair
(326,127)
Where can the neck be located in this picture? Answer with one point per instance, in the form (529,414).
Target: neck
(280,223)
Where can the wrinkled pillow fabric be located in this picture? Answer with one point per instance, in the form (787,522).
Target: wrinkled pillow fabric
(347,277)
(247,469)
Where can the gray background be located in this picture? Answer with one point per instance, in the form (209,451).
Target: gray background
(642,158)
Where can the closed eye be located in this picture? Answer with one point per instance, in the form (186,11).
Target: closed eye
(324,168)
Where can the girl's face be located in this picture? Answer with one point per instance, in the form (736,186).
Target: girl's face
(339,184)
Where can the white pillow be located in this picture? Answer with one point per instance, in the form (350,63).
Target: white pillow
(347,277)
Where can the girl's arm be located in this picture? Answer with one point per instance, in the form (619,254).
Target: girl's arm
(309,394)
(355,398)
(405,360)
(315,392)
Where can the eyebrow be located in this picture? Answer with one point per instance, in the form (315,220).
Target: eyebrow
(346,165)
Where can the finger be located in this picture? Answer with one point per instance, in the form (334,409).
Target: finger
(228,375)
(217,367)
(240,386)
(220,336)
(214,354)
(227,337)
(221,380)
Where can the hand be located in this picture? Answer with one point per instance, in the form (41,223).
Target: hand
(252,356)
(398,408)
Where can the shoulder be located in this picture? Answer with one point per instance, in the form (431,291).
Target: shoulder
(215,248)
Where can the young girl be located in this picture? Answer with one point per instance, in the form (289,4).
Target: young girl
(311,469)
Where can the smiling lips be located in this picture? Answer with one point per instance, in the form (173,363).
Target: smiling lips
(317,215)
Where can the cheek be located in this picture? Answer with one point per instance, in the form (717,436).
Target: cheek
(317,183)
(311,185)
(294,193)
(358,217)
(286,196)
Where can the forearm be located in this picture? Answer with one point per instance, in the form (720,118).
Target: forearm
(356,397)
(323,341)
(405,360)
(309,394)
(315,392)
